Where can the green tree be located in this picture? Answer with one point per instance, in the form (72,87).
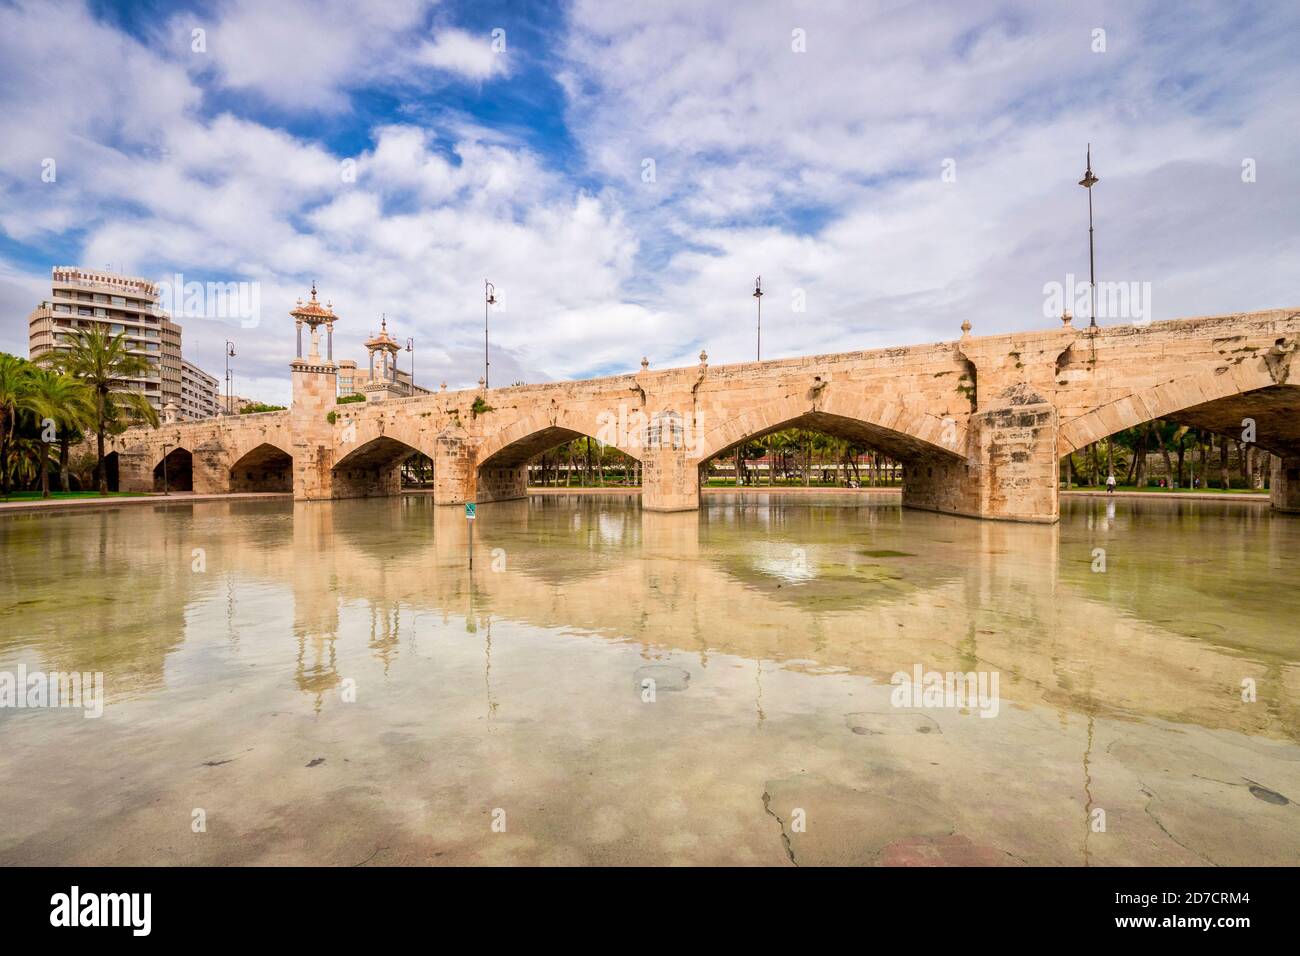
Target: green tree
(14,376)
(103,364)
(26,454)
(66,403)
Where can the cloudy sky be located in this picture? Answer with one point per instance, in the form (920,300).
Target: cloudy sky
(622,171)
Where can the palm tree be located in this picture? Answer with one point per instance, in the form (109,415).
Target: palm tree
(26,454)
(14,373)
(65,402)
(104,366)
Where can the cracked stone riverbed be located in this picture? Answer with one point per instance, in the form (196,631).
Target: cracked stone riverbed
(330,683)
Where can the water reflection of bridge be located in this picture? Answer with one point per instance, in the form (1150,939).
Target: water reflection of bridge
(869,598)
(508,684)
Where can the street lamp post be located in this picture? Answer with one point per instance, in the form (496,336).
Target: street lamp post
(1087,182)
(489,298)
(410,347)
(230,353)
(758,301)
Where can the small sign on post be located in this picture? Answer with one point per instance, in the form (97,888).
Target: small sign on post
(469,536)
(469,511)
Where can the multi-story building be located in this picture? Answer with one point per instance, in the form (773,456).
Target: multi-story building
(353,380)
(199,392)
(82,298)
(85,298)
(170,362)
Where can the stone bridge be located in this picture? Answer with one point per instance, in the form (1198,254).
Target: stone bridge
(980,424)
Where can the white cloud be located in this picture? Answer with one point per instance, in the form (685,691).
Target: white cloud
(226,198)
(296,54)
(819,170)
(308,56)
(465,54)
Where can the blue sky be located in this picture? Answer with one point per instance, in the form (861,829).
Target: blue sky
(804,141)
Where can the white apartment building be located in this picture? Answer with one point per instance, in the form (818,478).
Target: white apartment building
(83,298)
(199,392)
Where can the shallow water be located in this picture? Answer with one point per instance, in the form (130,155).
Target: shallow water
(331,683)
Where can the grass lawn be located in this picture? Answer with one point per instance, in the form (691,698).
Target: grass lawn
(1155,490)
(791,483)
(36,495)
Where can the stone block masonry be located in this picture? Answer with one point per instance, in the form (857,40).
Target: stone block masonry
(980,423)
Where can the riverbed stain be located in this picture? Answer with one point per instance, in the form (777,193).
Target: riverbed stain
(868,724)
(887,553)
(665,676)
(1267,795)
(317,762)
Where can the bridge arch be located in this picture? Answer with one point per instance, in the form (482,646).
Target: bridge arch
(1211,400)
(501,461)
(175,470)
(264,467)
(112,473)
(517,443)
(904,432)
(372,468)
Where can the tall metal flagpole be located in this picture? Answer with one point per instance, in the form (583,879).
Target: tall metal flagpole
(1088,181)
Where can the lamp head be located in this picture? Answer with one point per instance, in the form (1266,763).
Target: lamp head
(1088,180)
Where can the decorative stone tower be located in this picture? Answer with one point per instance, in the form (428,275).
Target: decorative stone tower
(315,391)
(314,315)
(382,349)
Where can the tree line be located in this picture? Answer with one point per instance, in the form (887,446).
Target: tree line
(1187,454)
(791,455)
(50,404)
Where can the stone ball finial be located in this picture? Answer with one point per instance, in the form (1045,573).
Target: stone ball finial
(965,327)
(645,363)
(481,381)
(704,357)
(1066,317)
(442,387)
